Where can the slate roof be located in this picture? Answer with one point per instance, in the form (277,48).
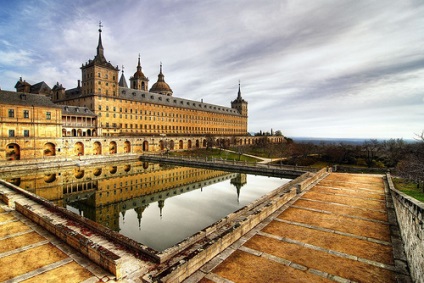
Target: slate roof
(155,98)
(76,110)
(40,87)
(30,99)
(123,81)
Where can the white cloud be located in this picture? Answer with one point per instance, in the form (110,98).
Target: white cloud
(322,68)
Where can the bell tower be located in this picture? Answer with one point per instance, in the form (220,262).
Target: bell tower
(240,104)
(99,77)
(139,80)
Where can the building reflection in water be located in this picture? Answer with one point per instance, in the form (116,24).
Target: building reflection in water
(157,205)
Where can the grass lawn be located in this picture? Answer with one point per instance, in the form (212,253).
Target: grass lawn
(215,153)
(409,188)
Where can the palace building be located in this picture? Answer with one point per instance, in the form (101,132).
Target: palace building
(40,121)
(135,110)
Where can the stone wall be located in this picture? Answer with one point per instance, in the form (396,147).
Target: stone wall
(410,216)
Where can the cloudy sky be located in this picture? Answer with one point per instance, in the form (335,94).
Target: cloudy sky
(342,68)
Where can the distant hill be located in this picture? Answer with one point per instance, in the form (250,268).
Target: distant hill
(352,141)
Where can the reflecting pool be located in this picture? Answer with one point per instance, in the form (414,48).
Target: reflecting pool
(156,205)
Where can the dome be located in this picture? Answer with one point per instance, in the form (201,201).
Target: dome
(139,74)
(161,86)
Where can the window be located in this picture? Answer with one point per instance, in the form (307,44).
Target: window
(26,114)
(48,115)
(11,133)
(11,113)
(26,133)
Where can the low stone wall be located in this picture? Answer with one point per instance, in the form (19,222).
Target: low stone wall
(43,213)
(230,166)
(58,162)
(410,215)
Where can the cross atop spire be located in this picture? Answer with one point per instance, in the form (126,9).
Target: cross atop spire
(239,92)
(100,26)
(122,68)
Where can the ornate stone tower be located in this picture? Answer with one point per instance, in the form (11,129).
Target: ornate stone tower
(58,92)
(99,77)
(161,86)
(240,104)
(22,86)
(139,80)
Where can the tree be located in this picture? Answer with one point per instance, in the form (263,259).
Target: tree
(371,146)
(210,141)
(411,167)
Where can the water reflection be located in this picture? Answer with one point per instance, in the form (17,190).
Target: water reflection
(157,205)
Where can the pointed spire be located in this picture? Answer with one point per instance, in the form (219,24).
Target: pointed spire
(161,77)
(100,49)
(139,64)
(123,80)
(239,92)
(161,204)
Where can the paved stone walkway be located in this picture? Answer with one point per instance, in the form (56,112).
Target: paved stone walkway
(339,231)
(30,254)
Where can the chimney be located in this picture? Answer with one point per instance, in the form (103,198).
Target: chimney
(79,83)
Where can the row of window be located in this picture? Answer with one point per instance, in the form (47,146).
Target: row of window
(11,114)
(12,133)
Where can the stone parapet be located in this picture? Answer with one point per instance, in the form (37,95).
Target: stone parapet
(46,218)
(410,216)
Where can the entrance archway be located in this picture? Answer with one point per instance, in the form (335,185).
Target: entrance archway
(78,173)
(197,144)
(189,144)
(13,151)
(127,147)
(97,148)
(171,145)
(145,146)
(181,144)
(49,178)
(49,149)
(79,149)
(112,147)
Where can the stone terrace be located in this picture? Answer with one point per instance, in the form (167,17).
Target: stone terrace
(341,230)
